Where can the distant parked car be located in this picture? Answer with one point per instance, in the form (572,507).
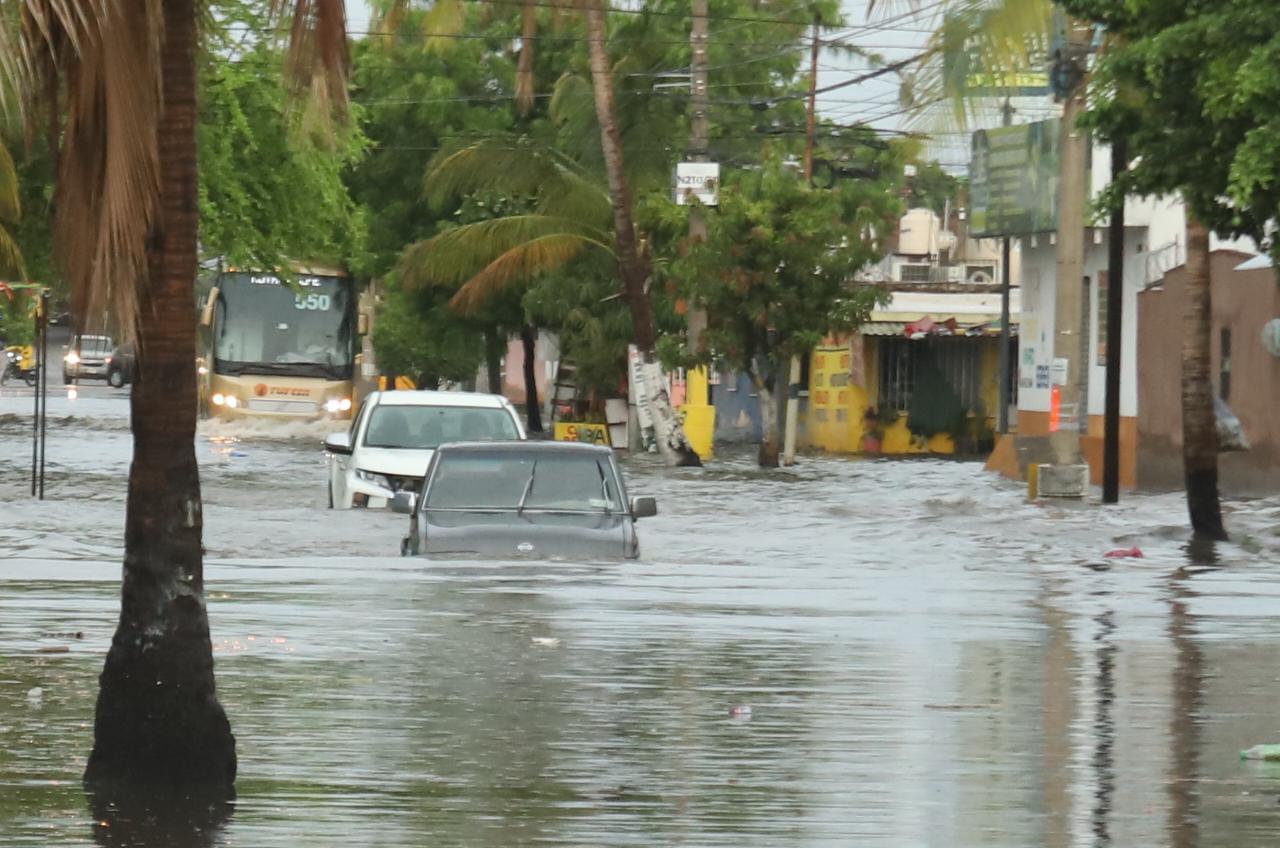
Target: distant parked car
(517,500)
(122,365)
(86,358)
(395,433)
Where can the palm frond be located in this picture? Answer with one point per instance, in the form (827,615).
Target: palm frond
(457,255)
(10,206)
(517,167)
(318,60)
(10,255)
(99,66)
(520,264)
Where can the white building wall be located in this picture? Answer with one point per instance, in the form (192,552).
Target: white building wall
(1155,242)
(1036,333)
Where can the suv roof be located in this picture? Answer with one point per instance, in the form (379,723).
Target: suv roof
(436,398)
(523,447)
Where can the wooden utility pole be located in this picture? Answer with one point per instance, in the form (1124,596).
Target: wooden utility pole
(1115,315)
(793,383)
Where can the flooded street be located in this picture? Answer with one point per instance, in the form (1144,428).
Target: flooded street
(928,660)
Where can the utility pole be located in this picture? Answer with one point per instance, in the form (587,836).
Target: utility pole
(698,151)
(1068,476)
(1002,419)
(1115,317)
(793,382)
(699,414)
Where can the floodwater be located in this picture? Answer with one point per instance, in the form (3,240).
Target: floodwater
(928,661)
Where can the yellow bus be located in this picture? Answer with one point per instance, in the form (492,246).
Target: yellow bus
(277,348)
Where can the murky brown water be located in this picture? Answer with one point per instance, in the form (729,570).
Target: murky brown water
(929,661)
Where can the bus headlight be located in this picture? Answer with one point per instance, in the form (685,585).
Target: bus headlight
(334,405)
(218,399)
(232,401)
(201,370)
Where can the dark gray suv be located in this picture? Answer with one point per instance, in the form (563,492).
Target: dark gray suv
(523,500)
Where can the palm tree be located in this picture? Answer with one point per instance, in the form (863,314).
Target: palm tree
(1199,424)
(632,265)
(120,81)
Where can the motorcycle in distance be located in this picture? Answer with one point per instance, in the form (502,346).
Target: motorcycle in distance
(19,363)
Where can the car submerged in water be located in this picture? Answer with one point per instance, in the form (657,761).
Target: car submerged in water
(395,433)
(523,500)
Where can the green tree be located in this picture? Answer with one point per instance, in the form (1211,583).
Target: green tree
(776,271)
(1191,89)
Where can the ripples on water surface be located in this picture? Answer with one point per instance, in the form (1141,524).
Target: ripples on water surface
(929,661)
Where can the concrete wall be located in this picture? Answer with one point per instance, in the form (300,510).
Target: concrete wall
(737,410)
(1243,301)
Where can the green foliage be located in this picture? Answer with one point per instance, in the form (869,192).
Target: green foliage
(17,318)
(269,192)
(932,187)
(416,334)
(1194,90)
(777,269)
(413,102)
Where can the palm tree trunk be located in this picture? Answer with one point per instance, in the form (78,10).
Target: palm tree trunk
(493,360)
(159,725)
(524,66)
(671,440)
(1199,425)
(532,409)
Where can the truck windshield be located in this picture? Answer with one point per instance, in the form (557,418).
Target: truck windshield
(466,479)
(263,326)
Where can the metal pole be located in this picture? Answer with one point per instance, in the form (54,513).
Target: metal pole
(1115,317)
(44,381)
(1002,425)
(35,412)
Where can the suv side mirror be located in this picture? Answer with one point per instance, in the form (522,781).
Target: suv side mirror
(402,502)
(338,443)
(644,507)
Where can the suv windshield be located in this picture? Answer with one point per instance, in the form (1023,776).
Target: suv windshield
(428,427)
(512,479)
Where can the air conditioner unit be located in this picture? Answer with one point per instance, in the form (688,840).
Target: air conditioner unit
(981,278)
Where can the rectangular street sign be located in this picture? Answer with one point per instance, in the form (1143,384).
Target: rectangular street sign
(697,179)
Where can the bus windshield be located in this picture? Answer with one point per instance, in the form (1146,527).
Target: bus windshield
(263,326)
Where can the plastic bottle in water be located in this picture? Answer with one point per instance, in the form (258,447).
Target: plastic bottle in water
(1261,752)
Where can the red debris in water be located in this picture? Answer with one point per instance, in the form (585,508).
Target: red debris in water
(1122,553)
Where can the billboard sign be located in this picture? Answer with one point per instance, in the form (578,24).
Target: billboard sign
(1013,180)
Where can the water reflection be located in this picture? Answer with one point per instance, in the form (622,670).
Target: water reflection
(929,661)
(158,822)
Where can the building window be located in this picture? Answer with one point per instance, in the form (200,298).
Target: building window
(1224,364)
(914,273)
(897,373)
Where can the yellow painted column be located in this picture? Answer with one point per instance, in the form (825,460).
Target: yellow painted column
(698,413)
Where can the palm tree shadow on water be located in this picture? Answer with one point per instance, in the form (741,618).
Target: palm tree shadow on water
(159,820)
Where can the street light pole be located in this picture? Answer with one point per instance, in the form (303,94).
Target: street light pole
(1115,315)
(699,132)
